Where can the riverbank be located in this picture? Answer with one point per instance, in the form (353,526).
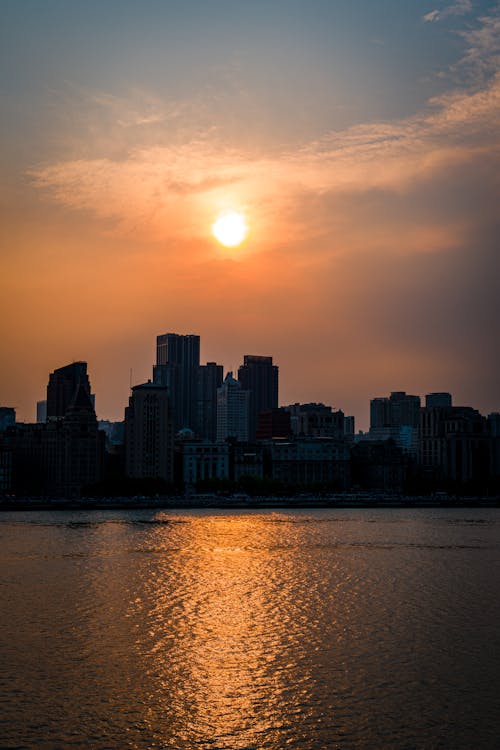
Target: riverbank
(186,502)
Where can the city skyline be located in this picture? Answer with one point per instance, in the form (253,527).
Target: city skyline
(357,142)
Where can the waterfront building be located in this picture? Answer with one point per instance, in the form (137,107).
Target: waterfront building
(306,461)
(149,437)
(454,444)
(259,376)
(61,457)
(379,465)
(247,460)
(232,410)
(177,368)
(202,460)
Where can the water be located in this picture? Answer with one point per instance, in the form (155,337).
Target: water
(239,630)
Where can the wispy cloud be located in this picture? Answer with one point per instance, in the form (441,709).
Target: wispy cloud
(459,8)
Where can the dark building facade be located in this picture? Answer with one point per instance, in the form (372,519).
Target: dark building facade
(177,368)
(259,376)
(62,386)
(210,377)
(149,441)
(274,423)
(316,420)
(454,445)
(396,418)
(61,457)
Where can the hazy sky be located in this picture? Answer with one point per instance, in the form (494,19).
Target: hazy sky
(360,138)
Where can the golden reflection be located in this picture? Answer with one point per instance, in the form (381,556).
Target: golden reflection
(223,644)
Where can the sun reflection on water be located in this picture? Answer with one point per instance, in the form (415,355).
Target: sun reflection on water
(227,677)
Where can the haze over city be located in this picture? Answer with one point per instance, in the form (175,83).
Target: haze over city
(357,142)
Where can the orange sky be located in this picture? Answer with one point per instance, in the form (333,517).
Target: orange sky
(370,264)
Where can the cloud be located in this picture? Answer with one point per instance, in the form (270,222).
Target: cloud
(174,191)
(459,8)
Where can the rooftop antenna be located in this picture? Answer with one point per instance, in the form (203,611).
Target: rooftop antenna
(130,379)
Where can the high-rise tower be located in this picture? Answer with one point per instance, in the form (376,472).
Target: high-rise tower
(177,364)
(259,376)
(62,387)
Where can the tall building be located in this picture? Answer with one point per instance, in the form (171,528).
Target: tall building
(149,442)
(7,417)
(62,387)
(232,410)
(177,365)
(396,418)
(259,376)
(41,411)
(210,377)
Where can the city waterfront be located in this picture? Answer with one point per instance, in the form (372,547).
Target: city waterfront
(265,629)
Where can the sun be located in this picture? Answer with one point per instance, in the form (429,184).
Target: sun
(230,228)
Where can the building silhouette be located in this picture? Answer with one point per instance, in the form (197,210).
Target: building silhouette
(62,387)
(7,417)
(149,442)
(316,420)
(60,457)
(210,377)
(232,410)
(259,376)
(396,418)
(454,444)
(433,400)
(177,366)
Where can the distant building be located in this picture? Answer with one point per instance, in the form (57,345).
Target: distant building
(494,433)
(202,460)
(349,428)
(114,431)
(210,378)
(41,411)
(177,368)
(149,441)
(259,376)
(307,461)
(232,410)
(435,400)
(274,423)
(379,465)
(7,417)
(316,420)
(61,457)
(454,444)
(247,460)
(396,418)
(62,386)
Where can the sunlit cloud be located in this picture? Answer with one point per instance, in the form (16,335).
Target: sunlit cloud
(163,191)
(459,8)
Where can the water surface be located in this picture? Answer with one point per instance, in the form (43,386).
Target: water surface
(306,629)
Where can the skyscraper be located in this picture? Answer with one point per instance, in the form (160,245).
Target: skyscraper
(259,376)
(62,386)
(177,364)
(149,445)
(210,378)
(232,410)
